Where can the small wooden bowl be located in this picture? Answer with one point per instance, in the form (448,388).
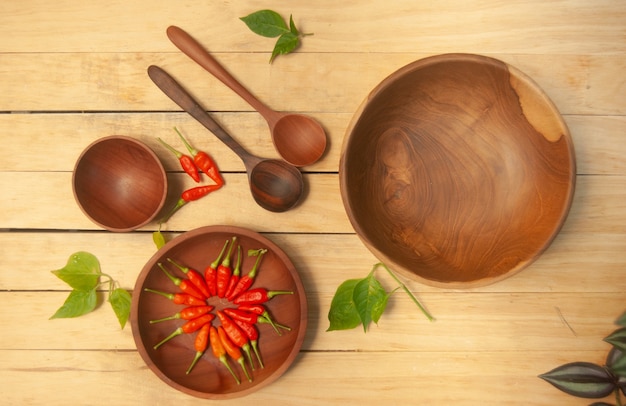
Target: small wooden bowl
(457,170)
(210,379)
(119,183)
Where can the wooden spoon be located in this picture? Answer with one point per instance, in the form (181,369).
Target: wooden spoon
(275,184)
(299,139)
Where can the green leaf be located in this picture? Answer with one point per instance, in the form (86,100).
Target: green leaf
(120,302)
(82,271)
(266,23)
(158,238)
(285,44)
(370,299)
(343,314)
(617,339)
(292,27)
(78,302)
(582,379)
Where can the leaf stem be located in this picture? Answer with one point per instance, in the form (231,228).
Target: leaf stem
(618,398)
(403,286)
(111,282)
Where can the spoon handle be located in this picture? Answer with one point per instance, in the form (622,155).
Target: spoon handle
(190,47)
(180,96)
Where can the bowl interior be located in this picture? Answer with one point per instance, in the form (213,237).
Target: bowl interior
(119,183)
(210,379)
(457,170)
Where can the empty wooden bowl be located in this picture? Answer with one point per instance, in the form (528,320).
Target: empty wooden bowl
(119,183)
(210,379)
(457,170)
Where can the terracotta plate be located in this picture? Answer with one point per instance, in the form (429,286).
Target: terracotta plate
(210,379)
(457,170)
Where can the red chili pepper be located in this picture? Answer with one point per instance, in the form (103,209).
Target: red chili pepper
(186,162)
(189,327)
(259,295)
(184,284)
(194,276)
(224,272)
(237,336)
(200,344)
(246,281)
(203,161)
(233,351)
(219,351)
(190,195)
(188,313)
(261,311)
(252,318)
(253,335)
(234,278)
(198,192)
(210,273)
(179,298)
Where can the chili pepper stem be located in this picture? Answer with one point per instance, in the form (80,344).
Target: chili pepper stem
(191,149)
(167,295)
(180,203)
(255,348)
(173,150)
(403,286)
(274,325)
(173,317)
(169,275)
(242,362)
(224,361)
(198,355)
(175,333)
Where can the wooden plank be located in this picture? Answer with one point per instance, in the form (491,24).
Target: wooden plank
(118,81)
(54,189)
(576,262)
(599,141)
(598,206)
(110,377)
(33,136)
(469,322)
(587,27)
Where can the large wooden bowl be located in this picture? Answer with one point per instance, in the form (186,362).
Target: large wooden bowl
(457,170)
(210,379)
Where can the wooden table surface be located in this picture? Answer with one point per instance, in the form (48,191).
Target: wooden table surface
(72,72)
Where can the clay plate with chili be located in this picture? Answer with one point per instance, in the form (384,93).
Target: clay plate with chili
(210,379)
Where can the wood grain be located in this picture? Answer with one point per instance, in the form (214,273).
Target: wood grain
(457,170)
(74,72)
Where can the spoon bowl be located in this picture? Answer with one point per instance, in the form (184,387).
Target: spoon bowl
(275,185)
(299,139)
(304,149)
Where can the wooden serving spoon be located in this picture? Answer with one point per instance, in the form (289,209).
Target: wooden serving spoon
(299,139)
(275,184)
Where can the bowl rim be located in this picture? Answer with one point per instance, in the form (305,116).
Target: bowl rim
(232,230)
(524,80)
(150,152)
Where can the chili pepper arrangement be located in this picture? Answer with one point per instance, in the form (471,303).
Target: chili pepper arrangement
(235,337)
(194,164)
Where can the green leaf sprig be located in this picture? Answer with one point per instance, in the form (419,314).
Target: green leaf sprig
(361,301)
(82,273)
(591,381)
(270,24)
